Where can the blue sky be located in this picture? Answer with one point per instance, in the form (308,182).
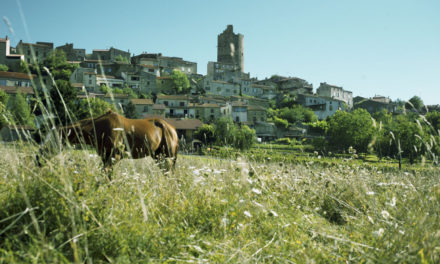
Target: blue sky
(389,48)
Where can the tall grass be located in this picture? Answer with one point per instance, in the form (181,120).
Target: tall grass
(213,210)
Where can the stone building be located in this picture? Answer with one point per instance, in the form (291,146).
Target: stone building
(336,92)
(164,64)
(374,104)
(72,54)
(207,112)
(230,48)
(111,54)
(323,106)
(34,53)
(7,58)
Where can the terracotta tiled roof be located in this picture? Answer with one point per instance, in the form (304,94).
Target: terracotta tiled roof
(16,75)
(142,101)
(172,97)
(184,124)
(207,105)
(256,108)
(16,89)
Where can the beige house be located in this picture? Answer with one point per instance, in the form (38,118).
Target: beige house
(143,106)
(159,110)
(336,92)
(221,87)
(89,80)
(16,79)
(256,113)
(118,100)
(207,112)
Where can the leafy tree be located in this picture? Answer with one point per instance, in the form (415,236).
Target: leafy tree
(20,110)
(92,107)
(227,133)
(298,113)
(4,115)
(244,137)
(434,119)
(57,64)
(415,102)
(281,123)
(353,129)
(130,110)
(3,67)
(224,130)
(129,91)
(206,134)
(3,97)
(180,82)
(120,58)
(68,96)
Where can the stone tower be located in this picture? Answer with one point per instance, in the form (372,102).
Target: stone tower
(230,48)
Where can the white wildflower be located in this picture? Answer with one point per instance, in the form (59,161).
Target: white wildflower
(402,232)
(273,213)
(370,219)
(76,172)
(393,202)
(258,204)
(370,193)
(256,191)
(246,213)
(196,172)
(217,172)
(118,129)
(379,232)
(249,181)
(385,214)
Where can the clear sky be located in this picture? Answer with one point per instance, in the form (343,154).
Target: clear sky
(374,47)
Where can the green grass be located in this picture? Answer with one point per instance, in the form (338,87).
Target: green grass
(215,210)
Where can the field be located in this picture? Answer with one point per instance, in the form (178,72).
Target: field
(236,209)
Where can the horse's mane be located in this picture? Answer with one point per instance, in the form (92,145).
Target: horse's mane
(87,121)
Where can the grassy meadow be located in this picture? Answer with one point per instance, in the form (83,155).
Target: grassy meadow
(233,209)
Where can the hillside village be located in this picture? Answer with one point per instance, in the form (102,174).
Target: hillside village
(226,90)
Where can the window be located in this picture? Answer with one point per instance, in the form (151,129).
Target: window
(165,103)
(182,104)
(36,53)
(90,81)
(29,52)
(237,119)
(145,108)
(212,110)
(150,70)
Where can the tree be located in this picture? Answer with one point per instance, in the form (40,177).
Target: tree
(244,137)
(129,91)
(64,103)
(180,82)
(415,102)
(130,111)
(224,130)
(206,134)
(353,129)
(20,110)
(3,67)
(92,107)
(297,114)
(57,64)
(3,97)
(434,119)
(227,133)
(280,123)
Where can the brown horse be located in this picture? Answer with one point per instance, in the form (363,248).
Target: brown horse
(113,135)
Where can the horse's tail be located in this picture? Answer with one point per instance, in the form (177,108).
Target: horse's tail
(169,141)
